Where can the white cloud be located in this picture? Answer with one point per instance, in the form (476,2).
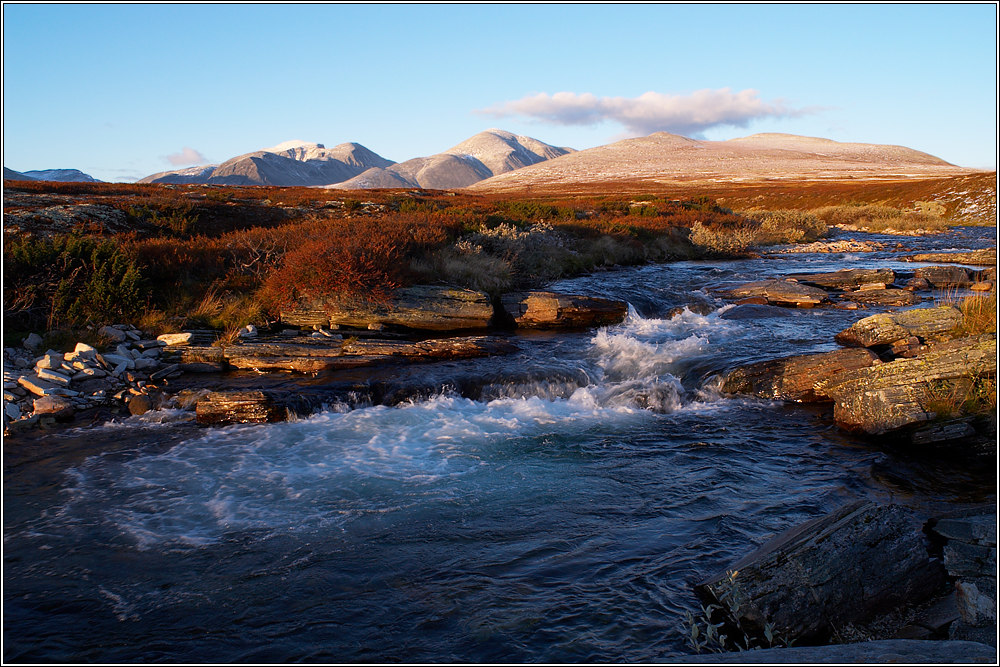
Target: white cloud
(650,112)
(185,157)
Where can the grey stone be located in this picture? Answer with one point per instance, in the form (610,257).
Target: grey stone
(50,360)
(53,376)
(32,342)
(86,351)
(112,333)
(140,404)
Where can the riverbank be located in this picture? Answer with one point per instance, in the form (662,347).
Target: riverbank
(590,478)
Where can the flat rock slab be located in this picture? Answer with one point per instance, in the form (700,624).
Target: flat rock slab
(859,562)
(889,296)
(893,651)
(421,307)
(549,310)
(846,278)
(984,257)
(248,407)
(894,395)
(780,293)
(928,324)
(796,378)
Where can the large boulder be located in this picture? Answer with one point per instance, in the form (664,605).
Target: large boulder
(898,394)
(780,293)
(944,276)
(928,324)
(548,310)
(846,278)
(796,378)
(421,307)
(849,567)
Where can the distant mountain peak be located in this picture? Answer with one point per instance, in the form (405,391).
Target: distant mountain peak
(289,145)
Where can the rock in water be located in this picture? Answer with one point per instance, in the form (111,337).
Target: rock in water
(59,407)
(944,276)
(894,395)
(886,328)
(859,562)
(889,296)
(548,310)
(795,378)
(846,278)
(780,293)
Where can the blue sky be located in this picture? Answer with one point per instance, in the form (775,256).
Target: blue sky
(116,90)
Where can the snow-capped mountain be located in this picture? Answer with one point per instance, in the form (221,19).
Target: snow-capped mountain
(287,164)
(60,175)
(479,157)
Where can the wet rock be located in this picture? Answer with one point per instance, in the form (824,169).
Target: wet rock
(884,651)
(846,278)
(946,432)
(927,324)
(859,562)
(140,404)
(798,377)
(780,293)
(58,407)
(894,395)
(944,276)
(917,284)
(549,310)
(889,296)
(241,407)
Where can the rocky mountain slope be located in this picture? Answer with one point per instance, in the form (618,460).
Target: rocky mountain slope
(484,155)
(60,175)
(293,163)
(668,158)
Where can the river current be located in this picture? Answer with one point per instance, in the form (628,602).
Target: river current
(554,505)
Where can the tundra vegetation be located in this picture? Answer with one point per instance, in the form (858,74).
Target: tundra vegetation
(223,257)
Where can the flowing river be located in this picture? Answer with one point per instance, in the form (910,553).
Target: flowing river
(555,505)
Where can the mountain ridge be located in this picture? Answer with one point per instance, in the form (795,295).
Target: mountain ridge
(670,158)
